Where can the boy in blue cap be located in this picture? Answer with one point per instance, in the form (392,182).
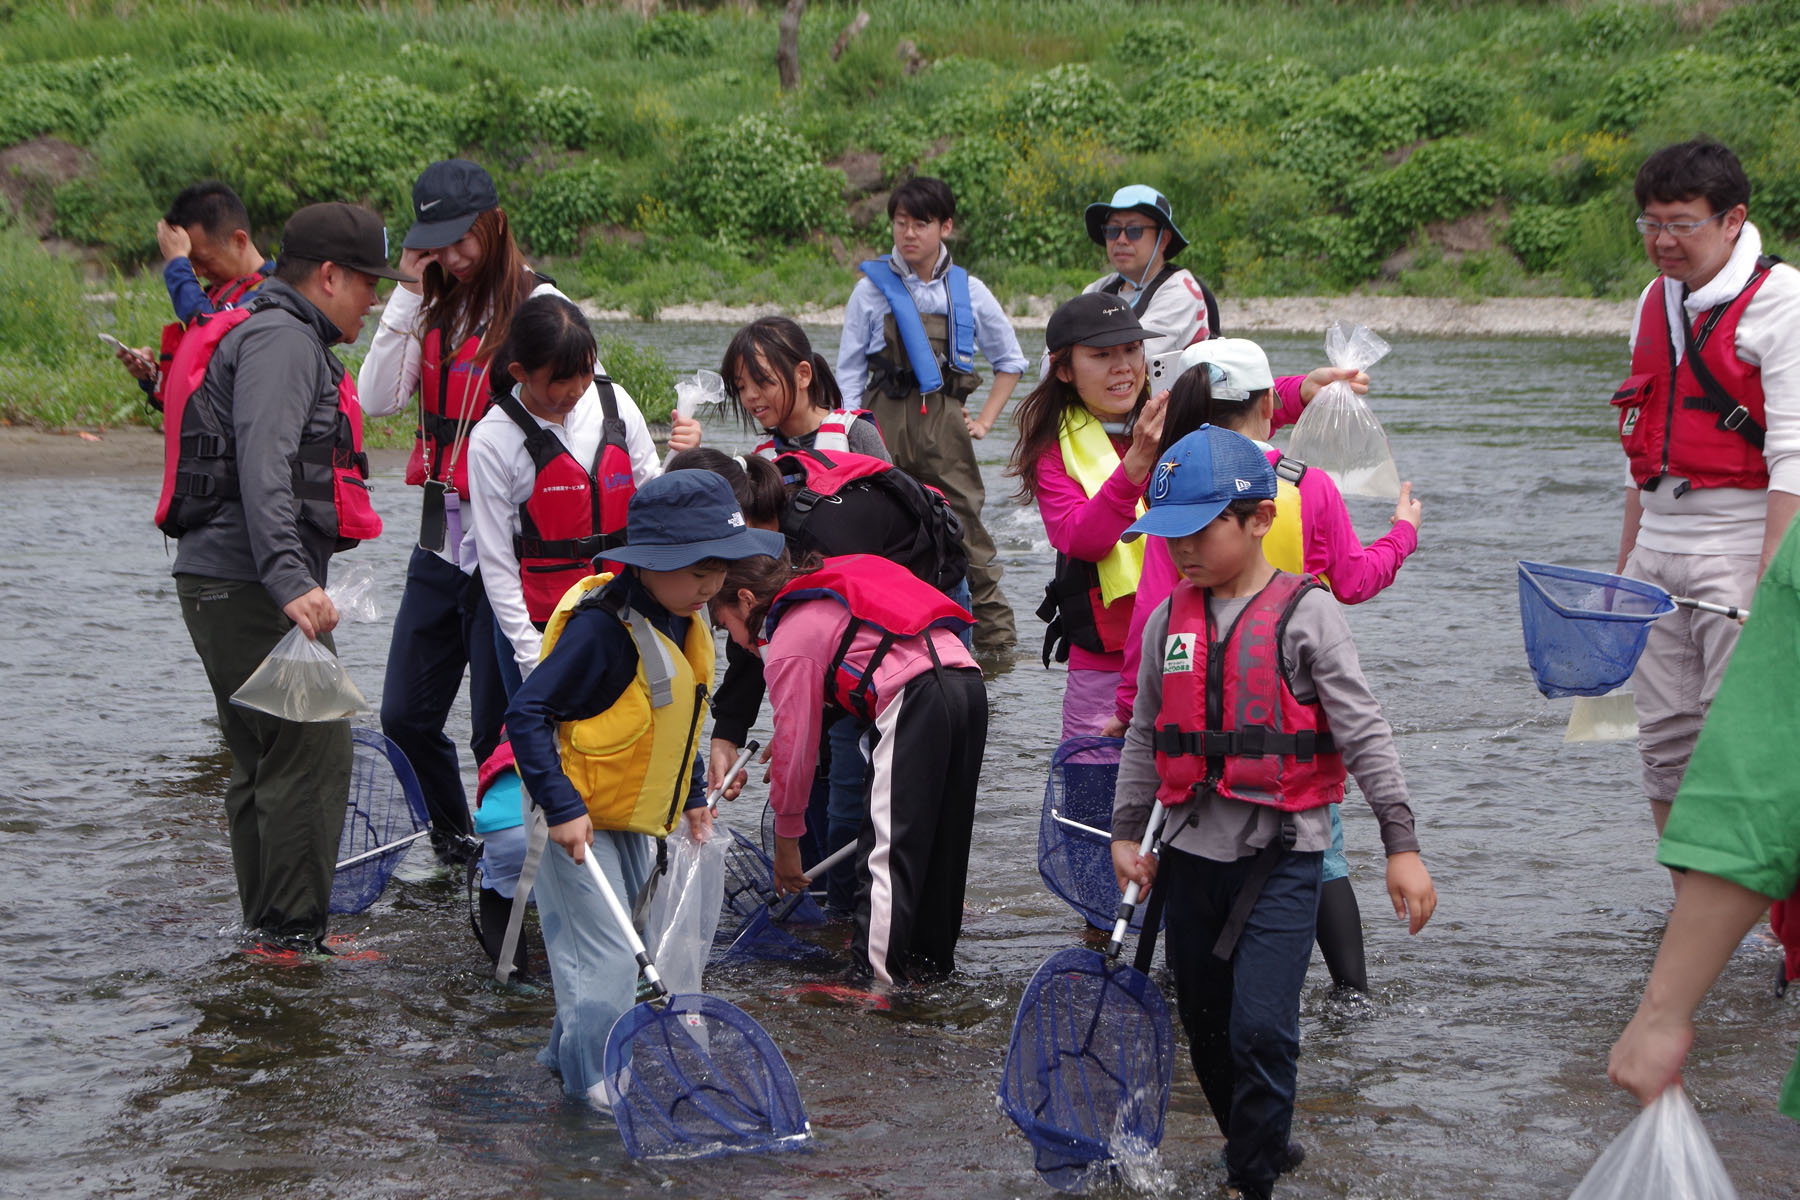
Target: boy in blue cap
(606,733)
(1251,705)
(1137,230)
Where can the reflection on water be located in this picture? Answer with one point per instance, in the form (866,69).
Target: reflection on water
(145,1058)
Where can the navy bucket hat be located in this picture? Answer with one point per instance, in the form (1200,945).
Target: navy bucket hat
(678,519)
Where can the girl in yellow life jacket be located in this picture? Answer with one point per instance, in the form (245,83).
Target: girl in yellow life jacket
(1088,435)
(606,733)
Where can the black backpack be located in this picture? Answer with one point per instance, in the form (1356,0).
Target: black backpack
(857,504)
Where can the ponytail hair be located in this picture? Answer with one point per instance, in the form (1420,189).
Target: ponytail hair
(754,480)
(1192,404)
(546,331)
(782,345)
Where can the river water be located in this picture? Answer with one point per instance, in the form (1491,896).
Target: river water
(144,1056)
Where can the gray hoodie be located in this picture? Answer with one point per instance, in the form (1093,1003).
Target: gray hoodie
(272,384)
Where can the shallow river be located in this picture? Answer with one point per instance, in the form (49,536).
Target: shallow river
(143,1056)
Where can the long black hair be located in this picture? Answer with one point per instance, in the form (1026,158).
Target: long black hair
(783,346)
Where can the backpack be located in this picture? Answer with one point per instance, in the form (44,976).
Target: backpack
(923,533)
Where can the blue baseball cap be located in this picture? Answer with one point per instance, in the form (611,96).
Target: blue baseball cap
(1198,477)
(1138,197)
(678,519)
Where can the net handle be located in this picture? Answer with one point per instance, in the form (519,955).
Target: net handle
(378,851)
(1102,834)
(1128,905)
(742,761)
(1724,610)
(624,919)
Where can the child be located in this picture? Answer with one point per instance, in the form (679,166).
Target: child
(864,635)
(552,467)
(607,742)
(1239,640)
(911,329)
(787,391)
(1087,441)
(1227,382)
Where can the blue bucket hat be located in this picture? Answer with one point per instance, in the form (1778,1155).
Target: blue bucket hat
(1198,477)
(1137,198)
(678,519)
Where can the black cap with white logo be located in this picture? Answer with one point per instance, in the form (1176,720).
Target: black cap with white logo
(446,200)
(1096,319)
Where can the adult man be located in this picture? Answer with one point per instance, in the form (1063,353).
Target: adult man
(1137,229)
(206,230)
(1710,421)
(261,493)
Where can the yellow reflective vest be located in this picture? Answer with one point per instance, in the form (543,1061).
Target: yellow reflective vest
(633,763)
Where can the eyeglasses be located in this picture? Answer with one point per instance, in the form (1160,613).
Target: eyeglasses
(908,225)
(1680,229)
(1131,233)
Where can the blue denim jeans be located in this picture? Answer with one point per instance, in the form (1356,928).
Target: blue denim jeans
(1242,1016)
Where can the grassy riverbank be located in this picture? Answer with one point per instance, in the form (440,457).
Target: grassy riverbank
(1447,149)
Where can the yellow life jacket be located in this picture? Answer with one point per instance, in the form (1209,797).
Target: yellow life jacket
(1090,460)
(633,763)
(1285,544)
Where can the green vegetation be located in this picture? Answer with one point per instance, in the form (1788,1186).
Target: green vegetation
(655,161)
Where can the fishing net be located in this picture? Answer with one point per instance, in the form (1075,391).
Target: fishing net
(697,1077)
(1584,630)
(1087,1072)
(1074,842)
(386,814)
(748,927)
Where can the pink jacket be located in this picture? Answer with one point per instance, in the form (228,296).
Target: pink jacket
(1331,548)
(1085,527)
(794,664)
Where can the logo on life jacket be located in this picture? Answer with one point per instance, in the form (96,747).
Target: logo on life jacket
(1631,418)
(1179,654)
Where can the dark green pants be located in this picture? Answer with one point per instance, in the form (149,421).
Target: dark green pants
(284,806)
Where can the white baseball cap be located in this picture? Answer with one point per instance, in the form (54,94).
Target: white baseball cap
(1242,367)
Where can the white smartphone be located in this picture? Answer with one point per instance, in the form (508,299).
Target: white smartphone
(1162,371)
(117,345)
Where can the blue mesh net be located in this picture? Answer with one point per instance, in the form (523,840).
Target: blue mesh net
(750,925)
(1584,630)
(1087,1072)
(385,810)
(1077,864)
(698,1077)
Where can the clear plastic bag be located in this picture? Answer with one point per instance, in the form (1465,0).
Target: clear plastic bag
(684,913)
(702,387)
(301,680)
(1663,1155)
(1338,433)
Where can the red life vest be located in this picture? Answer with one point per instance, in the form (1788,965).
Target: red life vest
(1702,419)
(199,457)
(1230,723)
(497,764)
(574,513)
(222,296)
(452,397)
(879,594)
(921,532)
(833,433)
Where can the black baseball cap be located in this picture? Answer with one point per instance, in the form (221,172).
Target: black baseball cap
(345,234)
(446,200)
(1097,319)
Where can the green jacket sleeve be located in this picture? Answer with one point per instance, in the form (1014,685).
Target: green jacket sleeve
(1737,815)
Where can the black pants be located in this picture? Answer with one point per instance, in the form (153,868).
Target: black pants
(1242,1016)
(444,624)
(914,856)
(290,780)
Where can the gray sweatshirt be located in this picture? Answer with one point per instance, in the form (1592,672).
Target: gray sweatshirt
(1320,659)
(272,383)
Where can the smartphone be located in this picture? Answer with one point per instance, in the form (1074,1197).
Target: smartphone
(1162,371)
(116,344)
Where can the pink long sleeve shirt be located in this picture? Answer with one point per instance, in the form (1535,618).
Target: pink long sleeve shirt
(1086,527)
(1330,547)
(794,666)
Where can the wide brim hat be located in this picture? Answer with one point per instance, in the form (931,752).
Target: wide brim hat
(1137,197)
(685,517)
(1198,479)
(447,198)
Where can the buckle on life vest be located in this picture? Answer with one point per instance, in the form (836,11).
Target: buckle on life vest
(1734,418)
(206,445)
(199,486)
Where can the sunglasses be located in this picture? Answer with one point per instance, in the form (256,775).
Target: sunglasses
(1131,232)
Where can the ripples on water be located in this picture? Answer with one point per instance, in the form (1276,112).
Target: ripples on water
(145,1058)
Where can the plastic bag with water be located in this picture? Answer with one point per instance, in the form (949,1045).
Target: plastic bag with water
(1663,1155)
(702,387)
(1338,433)
(684,913)
(302,680)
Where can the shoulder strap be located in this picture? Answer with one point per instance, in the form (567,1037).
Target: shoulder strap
(1148,293)
(1290,469)
(1714,398)
(540,443)
(960,345)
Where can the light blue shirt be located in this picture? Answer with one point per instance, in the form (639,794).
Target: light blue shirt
(863,335)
